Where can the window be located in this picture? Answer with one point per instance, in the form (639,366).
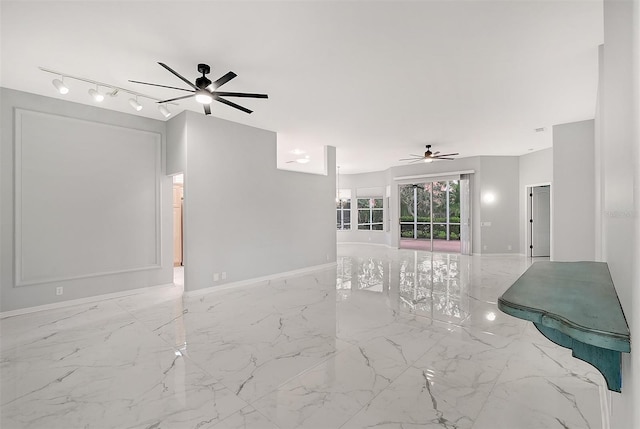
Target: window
(343,206)
(370,214)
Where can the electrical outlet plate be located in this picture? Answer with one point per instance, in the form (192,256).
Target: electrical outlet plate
(224,275)
(216,277)
(59,290)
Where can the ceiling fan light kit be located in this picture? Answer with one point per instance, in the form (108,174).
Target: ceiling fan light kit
(204,97)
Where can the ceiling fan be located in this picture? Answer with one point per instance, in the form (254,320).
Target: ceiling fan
(429,156)
(204,90)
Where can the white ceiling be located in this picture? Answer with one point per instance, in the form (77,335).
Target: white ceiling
(378,80)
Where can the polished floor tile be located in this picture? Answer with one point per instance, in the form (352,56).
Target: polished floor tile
(387,339)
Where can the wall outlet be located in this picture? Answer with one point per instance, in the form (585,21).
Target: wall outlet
(224,275)
(216,277)
(59,290)
(484,247)
(509,247)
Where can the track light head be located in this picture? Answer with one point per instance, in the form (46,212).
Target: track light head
(163,109)
(96,95)
(134,103)
(60,86)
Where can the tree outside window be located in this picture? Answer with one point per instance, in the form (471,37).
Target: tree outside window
(370,214)
(343,209)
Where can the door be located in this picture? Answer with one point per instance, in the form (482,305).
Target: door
(540,221)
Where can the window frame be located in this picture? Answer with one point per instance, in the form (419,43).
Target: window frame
(371,208)
(340,209)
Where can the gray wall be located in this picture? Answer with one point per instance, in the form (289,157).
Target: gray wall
(536,168)
(573,193)
(93,211)
(619,164)
(242,215)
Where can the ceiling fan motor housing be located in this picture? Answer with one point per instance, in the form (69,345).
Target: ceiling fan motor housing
(203,82)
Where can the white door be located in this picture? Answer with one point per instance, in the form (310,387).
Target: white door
(540,221)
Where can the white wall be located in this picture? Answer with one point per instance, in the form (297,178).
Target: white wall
(177,144)
(498,176)
(361,181)
(92,209)
(243,216)
(536,168)
(619,151)
(573,226)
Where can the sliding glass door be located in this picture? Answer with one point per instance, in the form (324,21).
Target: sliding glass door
(430,216)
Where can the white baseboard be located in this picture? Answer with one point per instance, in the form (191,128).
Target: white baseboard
(360,243)
(498,254)
(260,280)
(87,300)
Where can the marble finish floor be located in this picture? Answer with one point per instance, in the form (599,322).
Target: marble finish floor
(388,339)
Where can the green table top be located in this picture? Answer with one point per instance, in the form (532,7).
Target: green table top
(576,298)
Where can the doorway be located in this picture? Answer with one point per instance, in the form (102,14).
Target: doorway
(430,216)
(539,221)
(178,211)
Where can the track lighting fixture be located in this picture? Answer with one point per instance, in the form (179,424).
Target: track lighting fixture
(60,86)
(107,90)
(134,103)
(96,94)
(163,109)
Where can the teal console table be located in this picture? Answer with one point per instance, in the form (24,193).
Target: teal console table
(575,305)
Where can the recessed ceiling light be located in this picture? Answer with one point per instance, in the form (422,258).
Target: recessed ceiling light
(297,152)
(304,160)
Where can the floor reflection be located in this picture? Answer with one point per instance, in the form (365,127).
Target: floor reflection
(422,283)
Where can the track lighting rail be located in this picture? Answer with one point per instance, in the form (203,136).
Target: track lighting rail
(113,90)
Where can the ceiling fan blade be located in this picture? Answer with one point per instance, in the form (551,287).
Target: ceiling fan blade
(448,159)
(175,99)
(447,154)
(419,158)
(161,86)
(178,75)
(221,81)
(416,160)
(207,109)
(232,104)
(435,153)
(240,94)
